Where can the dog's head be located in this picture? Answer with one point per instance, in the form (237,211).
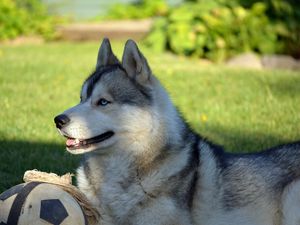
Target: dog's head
(114,104)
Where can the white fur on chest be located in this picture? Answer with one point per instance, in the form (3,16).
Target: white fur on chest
(120,191)
(112,186)
(116,188)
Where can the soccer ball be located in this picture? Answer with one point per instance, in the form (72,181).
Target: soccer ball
(40,204)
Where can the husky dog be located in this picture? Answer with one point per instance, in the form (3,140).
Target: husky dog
(143,165)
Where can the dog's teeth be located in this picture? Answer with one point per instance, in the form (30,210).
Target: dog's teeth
(77,141)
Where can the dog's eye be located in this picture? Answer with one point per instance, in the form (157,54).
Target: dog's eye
(102,102)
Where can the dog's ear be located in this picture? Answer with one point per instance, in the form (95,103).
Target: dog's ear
(105,55)
(135,63)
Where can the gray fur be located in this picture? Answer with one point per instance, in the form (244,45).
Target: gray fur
(156,170)
(105,55)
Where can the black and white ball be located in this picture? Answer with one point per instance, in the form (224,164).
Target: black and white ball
(40,204)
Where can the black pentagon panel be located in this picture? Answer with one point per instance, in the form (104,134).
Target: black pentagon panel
(53,211)
(10,192)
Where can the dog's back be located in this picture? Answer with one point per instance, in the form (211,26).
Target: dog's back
(247,188)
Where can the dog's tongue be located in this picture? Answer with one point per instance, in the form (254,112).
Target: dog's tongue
(71,142)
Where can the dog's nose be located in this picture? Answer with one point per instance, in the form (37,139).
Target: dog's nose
(61,120)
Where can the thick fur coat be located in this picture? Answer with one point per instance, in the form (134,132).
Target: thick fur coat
(143,165)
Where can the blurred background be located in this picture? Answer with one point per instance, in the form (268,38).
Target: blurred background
(231,66)
(91,9)
(213,29)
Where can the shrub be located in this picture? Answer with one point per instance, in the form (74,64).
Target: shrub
(286,15)
(25,17)
(218,29)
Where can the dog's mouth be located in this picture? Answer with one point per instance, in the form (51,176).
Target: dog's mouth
(74,143)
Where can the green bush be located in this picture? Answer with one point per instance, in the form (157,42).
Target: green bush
(138,10)
(286,15)
(25,17)
(218,29)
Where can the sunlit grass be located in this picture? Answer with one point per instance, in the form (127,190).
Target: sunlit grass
(244,110)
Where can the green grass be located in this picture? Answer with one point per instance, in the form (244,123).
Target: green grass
(246,110)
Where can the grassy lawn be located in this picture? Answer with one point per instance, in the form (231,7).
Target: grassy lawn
(244,110)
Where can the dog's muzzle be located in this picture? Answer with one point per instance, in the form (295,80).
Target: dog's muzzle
(61,120)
